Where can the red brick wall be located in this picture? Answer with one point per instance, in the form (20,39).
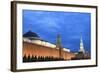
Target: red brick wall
(38,50)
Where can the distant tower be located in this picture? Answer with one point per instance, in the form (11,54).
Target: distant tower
(81,46)
(58,46)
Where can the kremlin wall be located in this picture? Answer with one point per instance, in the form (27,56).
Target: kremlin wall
(40,50)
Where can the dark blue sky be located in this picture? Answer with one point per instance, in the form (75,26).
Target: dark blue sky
(70,25)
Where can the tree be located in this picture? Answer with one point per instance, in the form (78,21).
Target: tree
(24,58)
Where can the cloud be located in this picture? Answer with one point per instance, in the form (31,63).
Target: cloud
(47,24)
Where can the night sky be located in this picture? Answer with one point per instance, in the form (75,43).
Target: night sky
(70,25)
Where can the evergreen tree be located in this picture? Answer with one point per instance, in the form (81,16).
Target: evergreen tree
(24,58)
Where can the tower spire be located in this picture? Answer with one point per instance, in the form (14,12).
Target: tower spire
(58,45)
(81,46)
(58,42)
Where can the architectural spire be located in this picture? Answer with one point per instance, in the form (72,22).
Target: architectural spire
(81,46)
(58,42)
(58,46)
